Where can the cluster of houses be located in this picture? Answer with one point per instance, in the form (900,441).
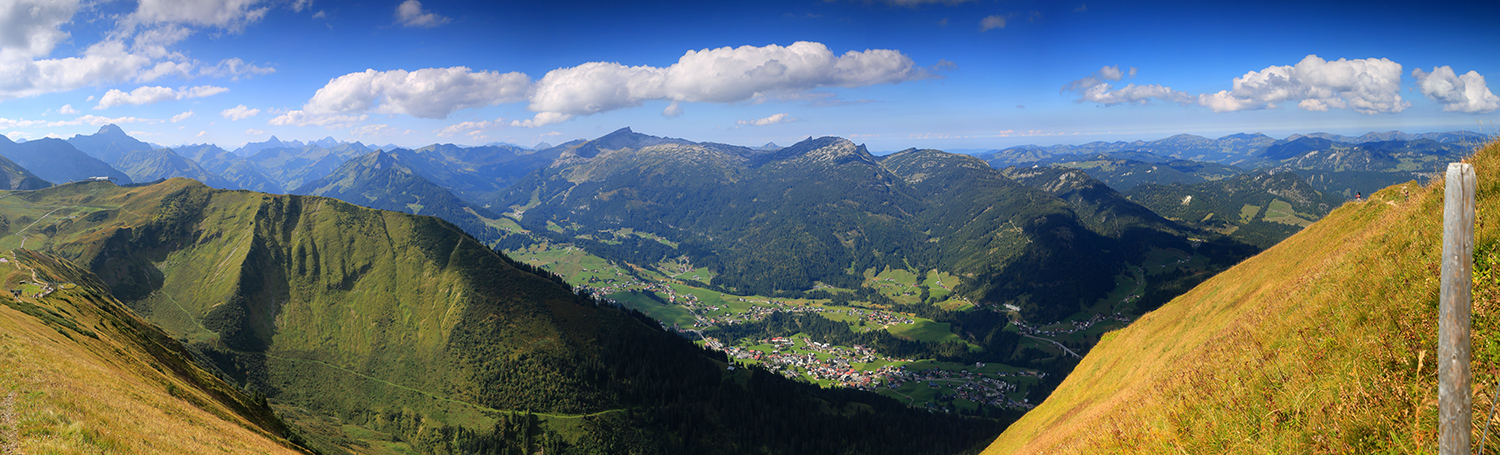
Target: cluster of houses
(881,317)
(835,364)
(47,290)
(1077,326)
(986,389)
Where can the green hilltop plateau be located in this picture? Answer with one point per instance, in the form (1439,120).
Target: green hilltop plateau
(1324,343)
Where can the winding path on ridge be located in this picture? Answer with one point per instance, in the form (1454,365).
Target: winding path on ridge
(38,220)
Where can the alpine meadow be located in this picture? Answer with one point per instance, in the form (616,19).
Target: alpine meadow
(784,227)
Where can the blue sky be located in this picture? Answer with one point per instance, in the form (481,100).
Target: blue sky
(888,73)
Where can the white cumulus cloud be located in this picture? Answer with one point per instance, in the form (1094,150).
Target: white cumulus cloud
(1467,93)
(32,28)
(149,95)
(1367,86)
(67,109)
(231,15)
(410,14)
(722,75)
(182,116)
(772,120)
(239,112)
(139,47)
(425,93)
(102,61)
(1097,89)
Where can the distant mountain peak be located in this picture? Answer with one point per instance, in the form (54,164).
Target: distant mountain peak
(827,148)
(619,139)
(110,129)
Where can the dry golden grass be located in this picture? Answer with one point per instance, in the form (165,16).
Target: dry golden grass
(1322,344)
(64,392)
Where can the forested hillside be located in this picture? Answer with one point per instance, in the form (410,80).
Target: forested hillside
(826,212)
(432,338)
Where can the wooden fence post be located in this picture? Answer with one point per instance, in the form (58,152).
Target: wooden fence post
(1454,395)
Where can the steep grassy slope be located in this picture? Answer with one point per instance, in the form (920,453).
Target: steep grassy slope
(405,325)
(80,373)
(1324,343)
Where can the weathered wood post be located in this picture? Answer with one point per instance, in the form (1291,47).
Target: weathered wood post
(1454,395)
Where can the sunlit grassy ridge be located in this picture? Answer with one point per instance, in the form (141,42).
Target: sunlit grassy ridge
(1325,343)
(79,373)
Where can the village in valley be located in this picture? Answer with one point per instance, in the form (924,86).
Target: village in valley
(663,293)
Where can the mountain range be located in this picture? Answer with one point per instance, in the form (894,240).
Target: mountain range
(441,344)
(824,212)
(1236,149)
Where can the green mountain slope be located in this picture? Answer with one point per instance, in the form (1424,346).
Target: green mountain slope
(1259,208)
(386,182)
(1125,171)
(431,337)
(826,212)
(1324,343)
(81,373)
(16,177)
